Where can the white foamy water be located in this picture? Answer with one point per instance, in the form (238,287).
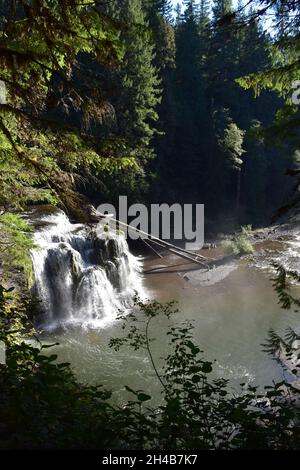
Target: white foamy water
(83,276)
(290,258)
(287,254)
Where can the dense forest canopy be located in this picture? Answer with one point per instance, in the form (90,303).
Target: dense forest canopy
(127,96)
(101,99)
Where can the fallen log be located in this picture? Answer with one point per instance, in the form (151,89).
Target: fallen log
(181,252)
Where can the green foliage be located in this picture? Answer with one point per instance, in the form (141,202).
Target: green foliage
(280,74)
(282,286)
(48,116)
(83,96)
(199,411)
(138,95)
(43,406)
(13,319)
(20,182)
(206,119)
(104,88)
(285,348)
(16,243)
(233,144)
(240,243)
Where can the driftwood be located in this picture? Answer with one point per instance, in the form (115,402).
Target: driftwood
(178,251)
(153,249)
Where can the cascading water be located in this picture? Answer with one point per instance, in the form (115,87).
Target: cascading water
(83,276)
(290,256)
(284,251)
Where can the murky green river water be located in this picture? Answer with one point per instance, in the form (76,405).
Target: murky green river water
(232,319)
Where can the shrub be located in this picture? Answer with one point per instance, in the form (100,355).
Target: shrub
(16,243)
(44,406)
(240,243)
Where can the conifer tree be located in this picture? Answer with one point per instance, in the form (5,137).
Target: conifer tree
(138,92)
(164,8)
(188,91)
(233,146)
(204,19)
(165,51)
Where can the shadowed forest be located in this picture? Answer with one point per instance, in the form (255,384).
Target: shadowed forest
(194,104)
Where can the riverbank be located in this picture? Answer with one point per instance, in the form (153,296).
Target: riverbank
(268,243)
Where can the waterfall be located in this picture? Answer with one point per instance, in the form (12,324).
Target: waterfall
(82,276)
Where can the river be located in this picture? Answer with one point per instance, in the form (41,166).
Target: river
(231,316)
